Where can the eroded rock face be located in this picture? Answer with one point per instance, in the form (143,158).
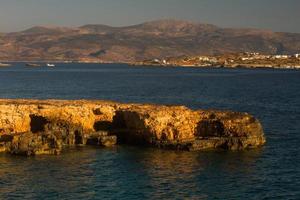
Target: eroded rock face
(32,127)
(144,124)
(181,128)
(35,144)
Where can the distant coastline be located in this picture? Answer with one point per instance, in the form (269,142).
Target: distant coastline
(238,60)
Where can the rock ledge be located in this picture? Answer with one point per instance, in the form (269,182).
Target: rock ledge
(33,127)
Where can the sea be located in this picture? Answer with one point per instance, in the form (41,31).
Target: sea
(127,172)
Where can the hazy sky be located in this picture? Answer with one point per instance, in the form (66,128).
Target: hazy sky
(278,15)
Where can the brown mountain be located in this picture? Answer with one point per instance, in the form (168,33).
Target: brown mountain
(156,39)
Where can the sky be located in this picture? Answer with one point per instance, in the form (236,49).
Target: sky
(276,15)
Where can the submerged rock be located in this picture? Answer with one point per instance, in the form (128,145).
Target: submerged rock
(32,127)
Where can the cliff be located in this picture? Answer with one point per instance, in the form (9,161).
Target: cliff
(31,127)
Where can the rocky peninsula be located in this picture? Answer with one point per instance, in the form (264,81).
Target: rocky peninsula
(33,127)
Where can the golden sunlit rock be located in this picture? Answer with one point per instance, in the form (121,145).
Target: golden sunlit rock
(31,127)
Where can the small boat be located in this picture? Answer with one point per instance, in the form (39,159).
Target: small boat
(50,65)
(4,65)
(32,65)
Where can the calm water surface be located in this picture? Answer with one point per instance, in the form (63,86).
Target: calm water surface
(271,172)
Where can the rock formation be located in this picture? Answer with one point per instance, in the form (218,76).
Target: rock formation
(32,127)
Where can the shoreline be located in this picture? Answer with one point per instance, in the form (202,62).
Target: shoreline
(234,66)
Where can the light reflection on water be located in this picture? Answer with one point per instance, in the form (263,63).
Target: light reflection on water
(128,172)
(272,172)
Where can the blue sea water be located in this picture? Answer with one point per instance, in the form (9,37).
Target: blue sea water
(270,172)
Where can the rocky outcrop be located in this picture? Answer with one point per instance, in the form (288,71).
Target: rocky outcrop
(32,127)
(182,128)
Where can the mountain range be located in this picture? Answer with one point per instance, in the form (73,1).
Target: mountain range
(155,39)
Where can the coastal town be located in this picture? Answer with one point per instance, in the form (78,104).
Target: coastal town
(235,60)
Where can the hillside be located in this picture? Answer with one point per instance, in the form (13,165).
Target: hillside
(156,39)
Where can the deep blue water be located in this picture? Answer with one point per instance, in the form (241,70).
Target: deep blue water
(270,172)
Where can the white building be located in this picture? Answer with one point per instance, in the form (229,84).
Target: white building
(203,58)
(246,58)
(281,56)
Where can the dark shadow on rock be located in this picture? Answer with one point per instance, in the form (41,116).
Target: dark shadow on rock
(119,121)
(79,137)
(37,123)
(6,138)
(97,111)
(103,126)
(210,128)
(129,135)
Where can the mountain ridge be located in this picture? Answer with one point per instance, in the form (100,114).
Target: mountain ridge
(154,39)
